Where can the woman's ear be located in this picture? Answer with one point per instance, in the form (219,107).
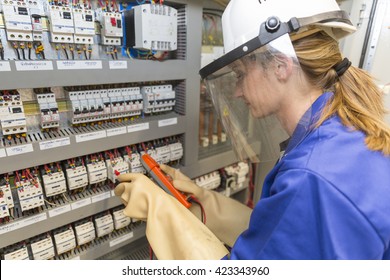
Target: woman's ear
(283,67)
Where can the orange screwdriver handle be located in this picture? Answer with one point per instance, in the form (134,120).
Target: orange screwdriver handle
(153,168)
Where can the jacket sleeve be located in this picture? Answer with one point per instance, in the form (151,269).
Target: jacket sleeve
(306,217)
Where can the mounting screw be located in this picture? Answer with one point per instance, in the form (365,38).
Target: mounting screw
(272,24)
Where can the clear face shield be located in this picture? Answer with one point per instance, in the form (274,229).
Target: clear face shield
(259,101)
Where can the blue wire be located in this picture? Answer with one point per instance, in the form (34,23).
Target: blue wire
(141,2)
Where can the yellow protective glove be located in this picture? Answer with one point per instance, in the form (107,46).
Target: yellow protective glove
(225,217)
(172,231)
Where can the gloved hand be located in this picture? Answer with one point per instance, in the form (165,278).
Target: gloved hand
(225,217)
(172,231)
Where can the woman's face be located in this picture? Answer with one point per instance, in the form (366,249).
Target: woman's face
(257,87)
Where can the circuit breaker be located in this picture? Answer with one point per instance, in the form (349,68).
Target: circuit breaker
(111,28)
(151,27)
(17,20)
(61,24)
(158,98)
(49,113)
(84,26)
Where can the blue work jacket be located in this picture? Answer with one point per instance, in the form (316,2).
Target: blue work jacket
(327,198)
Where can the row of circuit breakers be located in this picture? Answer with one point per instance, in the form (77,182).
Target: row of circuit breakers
(86,106)
(67,238)
(144,27)
(31,187)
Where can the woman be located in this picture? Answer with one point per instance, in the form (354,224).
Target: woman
(328,196)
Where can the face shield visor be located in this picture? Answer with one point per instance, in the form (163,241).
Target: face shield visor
(252,98)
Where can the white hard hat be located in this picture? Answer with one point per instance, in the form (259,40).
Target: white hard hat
(242,19)
(250,24)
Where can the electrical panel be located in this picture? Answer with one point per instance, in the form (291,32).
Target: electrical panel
(76,120)
(152,27)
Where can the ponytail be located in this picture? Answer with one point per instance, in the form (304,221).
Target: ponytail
(357,100)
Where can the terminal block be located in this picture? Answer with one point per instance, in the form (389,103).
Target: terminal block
(84,26)
(151,27)
(111,28)
(50,117)
(120,219)
(6,199)
(85,231)
(158,98)
(61,24)
(17,20)
(104,224)
(53,179)
(29,189)
(42,247)
(12,117)
(65,239)
(76,173)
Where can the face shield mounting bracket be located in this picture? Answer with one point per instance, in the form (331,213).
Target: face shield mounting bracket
(270,30)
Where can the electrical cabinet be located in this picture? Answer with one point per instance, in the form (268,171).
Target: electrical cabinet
(97,223)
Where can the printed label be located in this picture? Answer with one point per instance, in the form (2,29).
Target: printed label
(33,65)
(45,145)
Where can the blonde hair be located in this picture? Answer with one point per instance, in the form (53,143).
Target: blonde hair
(357,100)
